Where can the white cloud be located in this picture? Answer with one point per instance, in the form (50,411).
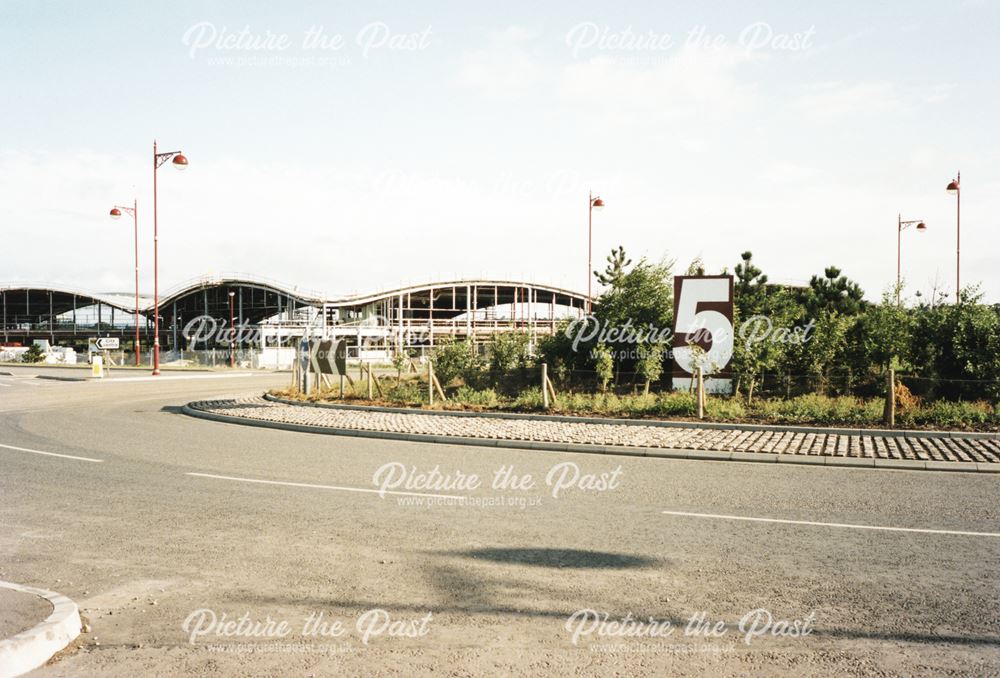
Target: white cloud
(831,101)
(690,82)
(504,68)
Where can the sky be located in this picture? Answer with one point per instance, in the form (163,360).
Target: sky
(351,147)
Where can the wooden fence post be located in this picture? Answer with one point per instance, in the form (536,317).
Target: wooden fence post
(890,399)
(545,386)
(701,392)
(430,383)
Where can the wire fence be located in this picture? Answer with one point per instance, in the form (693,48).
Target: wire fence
(512,383)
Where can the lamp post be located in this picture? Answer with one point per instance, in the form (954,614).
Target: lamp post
(592,204)
(180,162)
(232,331)
(900,226)
(955,186)
(116,213)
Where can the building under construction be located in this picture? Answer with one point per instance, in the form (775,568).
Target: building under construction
(270,316)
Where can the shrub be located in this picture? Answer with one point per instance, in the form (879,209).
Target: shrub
(486,398)
(34,354)
(408,391)
(454,359)
(509,351)
(528,399)
(946,414)
(676,404)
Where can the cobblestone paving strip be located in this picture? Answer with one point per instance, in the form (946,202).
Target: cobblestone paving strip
(962,450)
(992,450)
(956,449)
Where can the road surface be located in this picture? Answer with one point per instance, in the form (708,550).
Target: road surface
(163,528)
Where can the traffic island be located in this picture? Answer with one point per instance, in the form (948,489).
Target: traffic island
(35,624)
(912,450)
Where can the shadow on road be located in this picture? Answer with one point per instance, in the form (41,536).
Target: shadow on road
(547,557)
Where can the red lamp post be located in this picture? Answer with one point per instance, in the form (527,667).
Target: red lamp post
(900,226)
(232,332)
(116,213)
(180,162)
(592,204)
(955,186)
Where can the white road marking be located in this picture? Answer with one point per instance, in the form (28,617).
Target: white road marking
(325,487)
(50,454)
(110,380)
(847,525)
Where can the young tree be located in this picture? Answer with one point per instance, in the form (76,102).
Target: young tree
(833,293)
(509,351)
(765,317)
(883,336)
(749,286)
(604,365)
(615,271)
(559,352)
(400,360)
(639,306)
(650,363)
(453,359)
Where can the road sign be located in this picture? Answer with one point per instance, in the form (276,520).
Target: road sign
(329,356)
(703,317)
(107,344)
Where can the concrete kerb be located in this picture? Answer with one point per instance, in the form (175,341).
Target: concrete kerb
(887,433)
(32,648)
(652,452)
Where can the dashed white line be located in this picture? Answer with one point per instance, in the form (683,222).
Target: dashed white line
(819,524)
(50,454)
(325,487)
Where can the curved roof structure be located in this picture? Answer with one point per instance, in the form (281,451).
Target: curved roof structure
(36,302)
(255,299)
(235,280)
(562,294)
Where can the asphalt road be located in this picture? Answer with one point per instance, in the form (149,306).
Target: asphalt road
(150,516)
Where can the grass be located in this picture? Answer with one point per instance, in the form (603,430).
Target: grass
(800,410)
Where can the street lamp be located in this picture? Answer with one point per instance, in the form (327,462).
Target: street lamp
(955,186)
(232,331)
(900,226)
(116,213)
(181,163)
(592,204)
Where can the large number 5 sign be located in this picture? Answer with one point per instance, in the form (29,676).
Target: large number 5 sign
(703,316)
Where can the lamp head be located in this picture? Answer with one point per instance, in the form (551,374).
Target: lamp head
(115,213)
(180,161)
(597,203)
